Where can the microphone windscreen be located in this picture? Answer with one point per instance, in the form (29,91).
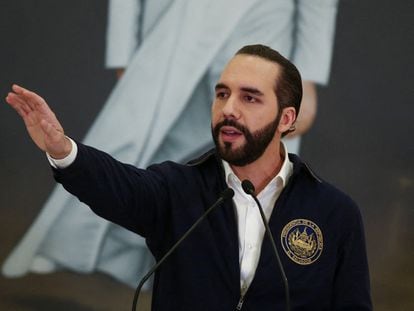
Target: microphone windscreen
(248,186)
(227,194)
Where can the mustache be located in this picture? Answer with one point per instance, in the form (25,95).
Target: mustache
(233,123)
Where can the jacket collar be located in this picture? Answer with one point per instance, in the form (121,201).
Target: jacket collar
(298,164)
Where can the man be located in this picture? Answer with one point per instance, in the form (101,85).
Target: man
(226,262)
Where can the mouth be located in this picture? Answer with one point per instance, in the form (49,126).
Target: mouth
(229,133)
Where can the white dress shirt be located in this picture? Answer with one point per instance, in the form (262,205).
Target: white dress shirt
(250,225)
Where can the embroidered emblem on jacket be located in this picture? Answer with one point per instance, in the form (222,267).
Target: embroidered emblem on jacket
(302,241)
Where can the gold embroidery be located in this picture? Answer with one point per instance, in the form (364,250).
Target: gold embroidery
(302,241)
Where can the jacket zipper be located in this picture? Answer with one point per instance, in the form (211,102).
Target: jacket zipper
(242,295)
(240,304)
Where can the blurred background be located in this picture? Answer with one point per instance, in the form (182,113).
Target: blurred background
(361,141)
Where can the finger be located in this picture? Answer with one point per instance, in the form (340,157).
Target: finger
(18,109)
(34,101)
(18,89)
(17,105)
(19,100)
(20,95)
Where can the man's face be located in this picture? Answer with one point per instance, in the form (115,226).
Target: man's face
(245,110)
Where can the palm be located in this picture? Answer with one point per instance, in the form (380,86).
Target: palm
(41,123)
(33,126)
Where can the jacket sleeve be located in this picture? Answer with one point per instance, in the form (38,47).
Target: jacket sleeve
(122,32)
(352,286)
(130,197)
(314,36)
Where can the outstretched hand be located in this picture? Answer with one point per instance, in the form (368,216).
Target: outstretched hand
(41,123)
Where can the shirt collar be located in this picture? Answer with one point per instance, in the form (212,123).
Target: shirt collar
(283,175)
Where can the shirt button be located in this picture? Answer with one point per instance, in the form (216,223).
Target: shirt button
(250,246)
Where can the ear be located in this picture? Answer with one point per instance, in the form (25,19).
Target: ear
(287,119)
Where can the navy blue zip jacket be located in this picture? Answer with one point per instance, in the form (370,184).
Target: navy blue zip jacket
(318,231)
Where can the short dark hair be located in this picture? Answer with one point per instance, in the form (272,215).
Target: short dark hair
(288,86)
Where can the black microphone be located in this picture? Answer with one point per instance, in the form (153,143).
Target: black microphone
(225,195)
(249,189)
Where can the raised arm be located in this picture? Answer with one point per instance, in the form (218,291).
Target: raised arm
(41,123)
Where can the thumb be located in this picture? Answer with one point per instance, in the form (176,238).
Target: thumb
(55,141)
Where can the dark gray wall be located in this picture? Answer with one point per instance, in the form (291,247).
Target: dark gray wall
(362,141)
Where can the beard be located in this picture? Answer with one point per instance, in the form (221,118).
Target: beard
(254,146)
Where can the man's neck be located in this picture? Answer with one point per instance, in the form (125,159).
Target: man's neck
(263,170)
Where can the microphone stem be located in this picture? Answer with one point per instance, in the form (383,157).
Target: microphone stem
(159,263)
(272,242)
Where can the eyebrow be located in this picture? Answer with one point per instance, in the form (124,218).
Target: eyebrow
(252,90)
(248,89)
(220,86)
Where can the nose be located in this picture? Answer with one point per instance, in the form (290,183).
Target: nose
(231,108)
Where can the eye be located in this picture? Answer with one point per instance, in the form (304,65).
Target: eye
(250,99)
(222,94)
